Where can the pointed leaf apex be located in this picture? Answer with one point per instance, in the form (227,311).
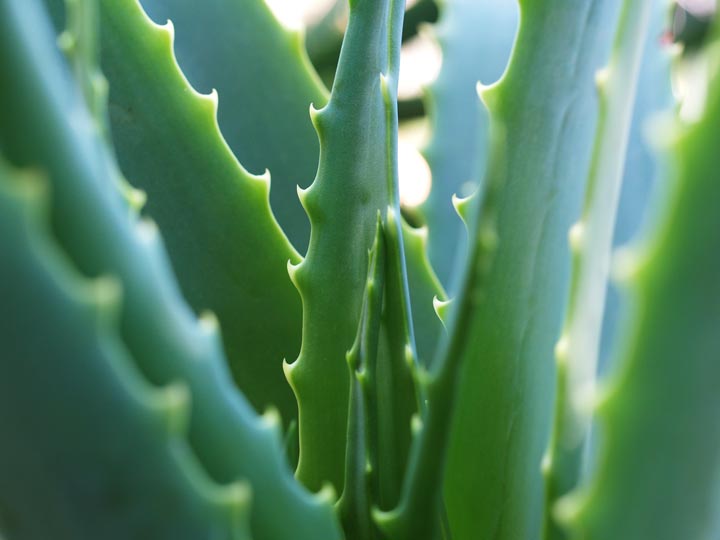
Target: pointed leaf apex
(136,198)
(462,206)
(288,369)
(661,130)
(352,358)
(546,464)
(561,350)
(265,177)
(567,509)
(237,496)
(386,89)
(209,323)
(212,99)
(168,28)
(66,42)
(442,308)
(271,419)
(293,271)
(416,424)
(106,292)
(486,93)
(409,356)
(576,237)
(626,265)
(316,117)
(174,402)
(147,231)
(327,494)
(302,194)
(421,233)
(391,217)
(602,76)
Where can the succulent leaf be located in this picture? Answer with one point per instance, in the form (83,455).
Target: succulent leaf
(643,166)
(591,246)
(80,395)
(357,177)
(424,288)
(204,202)
(46,126)
(265,82)
(362,482)
(475,37)
(420,511)
(664,393)
(506,383)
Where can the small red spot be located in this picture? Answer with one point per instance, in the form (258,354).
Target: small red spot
(666,38)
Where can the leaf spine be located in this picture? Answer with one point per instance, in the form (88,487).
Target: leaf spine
(462,206)
(317,119)
(295,274)
(442,308)
(602,76)
(208,323)
(173,401)
(271,420)
(576,237)
(327,494)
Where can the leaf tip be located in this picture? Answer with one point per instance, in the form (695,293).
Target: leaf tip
(442,307)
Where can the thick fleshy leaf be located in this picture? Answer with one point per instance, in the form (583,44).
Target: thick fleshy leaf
(46,126)
(265,83)
(227,250)
(506,384)
(475,37)
(356,180)
(664,395)
(69,396)
(591,245)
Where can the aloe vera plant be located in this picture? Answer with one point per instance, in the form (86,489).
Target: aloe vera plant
(217,323)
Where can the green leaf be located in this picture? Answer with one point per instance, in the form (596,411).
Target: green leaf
(419,512)
(475,37)
(227,250)
(591,244)
(425,290)
(643,168)
(363,454)
(357,178)
(506,383)
(69,396)
(661,440)
(46,126)
(265,83)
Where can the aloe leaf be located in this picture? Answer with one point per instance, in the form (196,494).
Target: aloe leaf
(396,397)
(325,35)
(664,395)
(227,250)
(475,38)
(641,179)
(69,399)
(81,44)
(506,384)
(357,177)
(419,512)
(266,83)
(45,125)
(354,506)
(425,292)
(591,244)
